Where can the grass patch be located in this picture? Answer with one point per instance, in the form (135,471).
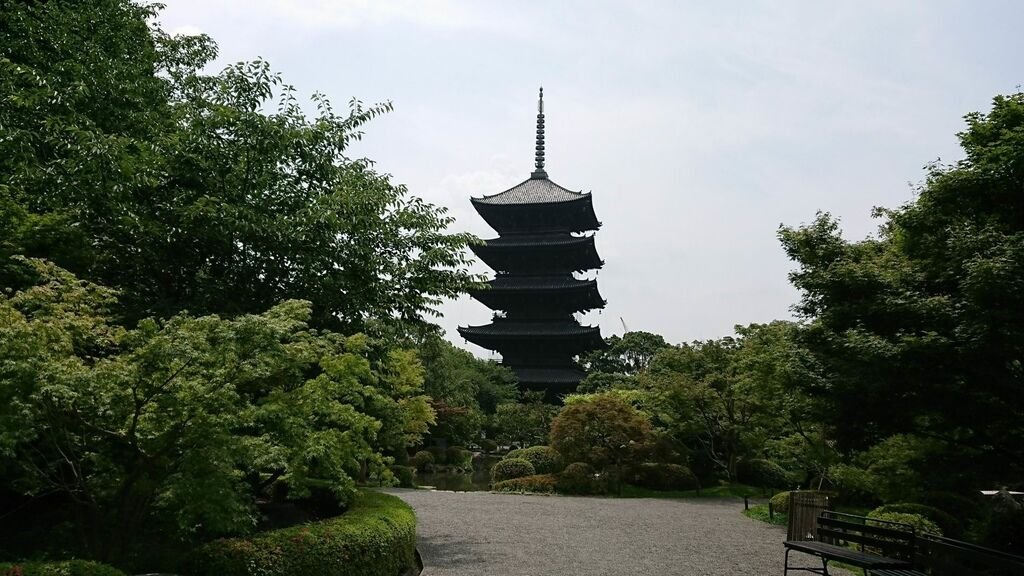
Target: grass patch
(725,491)
(760,513)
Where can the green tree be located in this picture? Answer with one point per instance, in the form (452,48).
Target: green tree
(523,423)
(189,419)
(630,354)
(604,431)
(124,163)
(920,328)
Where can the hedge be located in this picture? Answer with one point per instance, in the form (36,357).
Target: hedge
(404,474)
(538,483)
(545,459)
(921,524)
(780,503)
(950,526)
(375,537)
(658,476)
(422,461)
(512,468)
(761,472)
(61,568)
(580,478)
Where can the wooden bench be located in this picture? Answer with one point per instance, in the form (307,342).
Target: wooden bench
(880,545)
(938,556)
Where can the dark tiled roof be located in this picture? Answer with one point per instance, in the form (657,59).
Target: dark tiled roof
(531,329)
(549,375)
(532,191)
(539,283)
(530,240)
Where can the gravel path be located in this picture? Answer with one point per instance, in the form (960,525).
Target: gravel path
(484,534)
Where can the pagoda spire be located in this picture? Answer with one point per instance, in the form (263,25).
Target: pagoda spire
(539,173)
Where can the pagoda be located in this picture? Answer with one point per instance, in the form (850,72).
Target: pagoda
(544,239)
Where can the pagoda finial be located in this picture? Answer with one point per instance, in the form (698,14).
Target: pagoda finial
(539,173)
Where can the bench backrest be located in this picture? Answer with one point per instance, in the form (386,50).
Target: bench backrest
(889,539)
(948,557)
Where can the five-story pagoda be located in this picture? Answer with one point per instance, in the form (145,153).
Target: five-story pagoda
(542,242)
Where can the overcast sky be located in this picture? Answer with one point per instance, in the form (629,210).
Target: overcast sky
(699,127)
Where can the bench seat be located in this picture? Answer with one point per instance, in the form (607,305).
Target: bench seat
(843,554)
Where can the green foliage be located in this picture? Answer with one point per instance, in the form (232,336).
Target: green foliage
(918,328)
(658,476)
(459,457)
(216,194)
(404,474)
(920,524)
(780,503)
(580,478)
(628,355)
(604,431)
(538,483)
(511,468)
(523,424)
(488,445)
(959,506)
(545,460)
(59,568)
(375,537)
(1004,530)
(761,514)
(190,418)
(889,471)
(423,461)
(727,399)
(949,525)
(761,472)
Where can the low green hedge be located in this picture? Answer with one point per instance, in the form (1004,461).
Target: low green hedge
(404,474)
(545,459)
(580,478)
(658,476)
(780,503)
(62,568)
(375,537)
(949,525)
(538,483)
(512,468)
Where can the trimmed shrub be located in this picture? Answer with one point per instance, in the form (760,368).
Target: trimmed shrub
(538,483)
(963,508)
(1004,530)
(761,472)
(511,468)
(658,476)
(422,461)
(580,478)
(545,459)
(946,522)
(440,455)
(459,457)
(404,475)
(488,445)
(920,523)
(61,568)
(376,536)
(780,503)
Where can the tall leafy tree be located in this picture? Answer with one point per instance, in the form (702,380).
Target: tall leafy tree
(123,162)
(921,328)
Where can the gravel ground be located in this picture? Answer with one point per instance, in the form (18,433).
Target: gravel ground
(484,534)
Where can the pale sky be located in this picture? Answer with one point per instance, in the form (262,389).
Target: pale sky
(699,127)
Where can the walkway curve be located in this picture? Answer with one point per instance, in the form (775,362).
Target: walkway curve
(485,534)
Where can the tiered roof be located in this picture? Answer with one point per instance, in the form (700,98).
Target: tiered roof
(540,245)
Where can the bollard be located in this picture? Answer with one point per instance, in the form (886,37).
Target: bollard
(746,503)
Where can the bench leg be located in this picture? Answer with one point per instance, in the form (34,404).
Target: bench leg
(785,570)
(824,566)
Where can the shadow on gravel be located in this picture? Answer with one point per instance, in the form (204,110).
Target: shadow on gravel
(450,553)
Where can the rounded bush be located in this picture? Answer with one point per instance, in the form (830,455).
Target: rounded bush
(780,503)
(61,568)
(404,475)
(488,445)
(375,537)
(946,522)
(658,476)
(761,472)
(920,523)
(538,483)
(440,454)
(544,458)
(511,468)
(422,461)
(580,478)
(459,456)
